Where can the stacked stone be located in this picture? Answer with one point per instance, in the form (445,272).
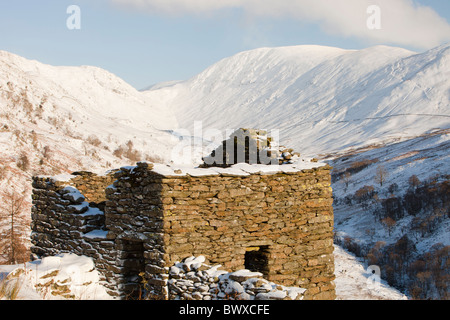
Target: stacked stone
(289,215)
(60,213)
(63,221)
(287,155)
(195,280)
(243,146)
(134,213)
(91,185)
(134,206)
(248,146)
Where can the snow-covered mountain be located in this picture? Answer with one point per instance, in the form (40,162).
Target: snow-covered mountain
(62,119)
(73,109)
(321,99)
(86,92)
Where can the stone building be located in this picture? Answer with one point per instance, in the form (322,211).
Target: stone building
(137,222)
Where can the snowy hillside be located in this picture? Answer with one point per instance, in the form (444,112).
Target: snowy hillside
(392,207)
(321,99)
(56,120)
(426,158)
(83,113)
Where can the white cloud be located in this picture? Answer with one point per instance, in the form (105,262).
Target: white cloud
(403,22)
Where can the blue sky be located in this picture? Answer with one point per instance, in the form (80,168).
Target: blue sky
(150,41)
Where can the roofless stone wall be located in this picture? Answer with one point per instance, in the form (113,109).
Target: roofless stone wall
(278,222)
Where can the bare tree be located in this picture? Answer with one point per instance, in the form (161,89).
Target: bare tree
(23,162)
(346,178)
(389,223)
(414,181)
(381,175)
(13,227)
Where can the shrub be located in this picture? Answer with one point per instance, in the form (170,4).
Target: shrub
(154,159)
(119,152)
(128,152)
(358,166)
(46,152)
(133,155)
(14,226)
(2,172)
(414,181)
(392,208)
(365,193)
(23,163)
(9,290)
(94,140)
(374,255)
(353,246)
(393,188)
(389,223)
(429,274)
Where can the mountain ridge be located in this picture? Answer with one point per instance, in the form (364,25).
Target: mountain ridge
(339,87)
(322,99)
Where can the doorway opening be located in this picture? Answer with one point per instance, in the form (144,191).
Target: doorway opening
(257,259)
(133,265)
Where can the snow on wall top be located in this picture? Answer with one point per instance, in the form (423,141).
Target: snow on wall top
(240,169)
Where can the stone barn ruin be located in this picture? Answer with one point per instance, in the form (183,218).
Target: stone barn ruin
(137,222)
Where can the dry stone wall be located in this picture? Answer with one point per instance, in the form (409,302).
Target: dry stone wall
(65,220)
(138,222)
(284,221)
(192,279)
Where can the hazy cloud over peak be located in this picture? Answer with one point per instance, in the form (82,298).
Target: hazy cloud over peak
(403,22)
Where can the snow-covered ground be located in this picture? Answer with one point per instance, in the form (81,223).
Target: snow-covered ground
(73,277)
(65,276)
(353,280)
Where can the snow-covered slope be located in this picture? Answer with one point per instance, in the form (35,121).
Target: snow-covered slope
(56,120)
(353,283)
(321,99)
(85,91)
(425,157)
(66,276)
(62,119)
(374,218)
(67,105)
